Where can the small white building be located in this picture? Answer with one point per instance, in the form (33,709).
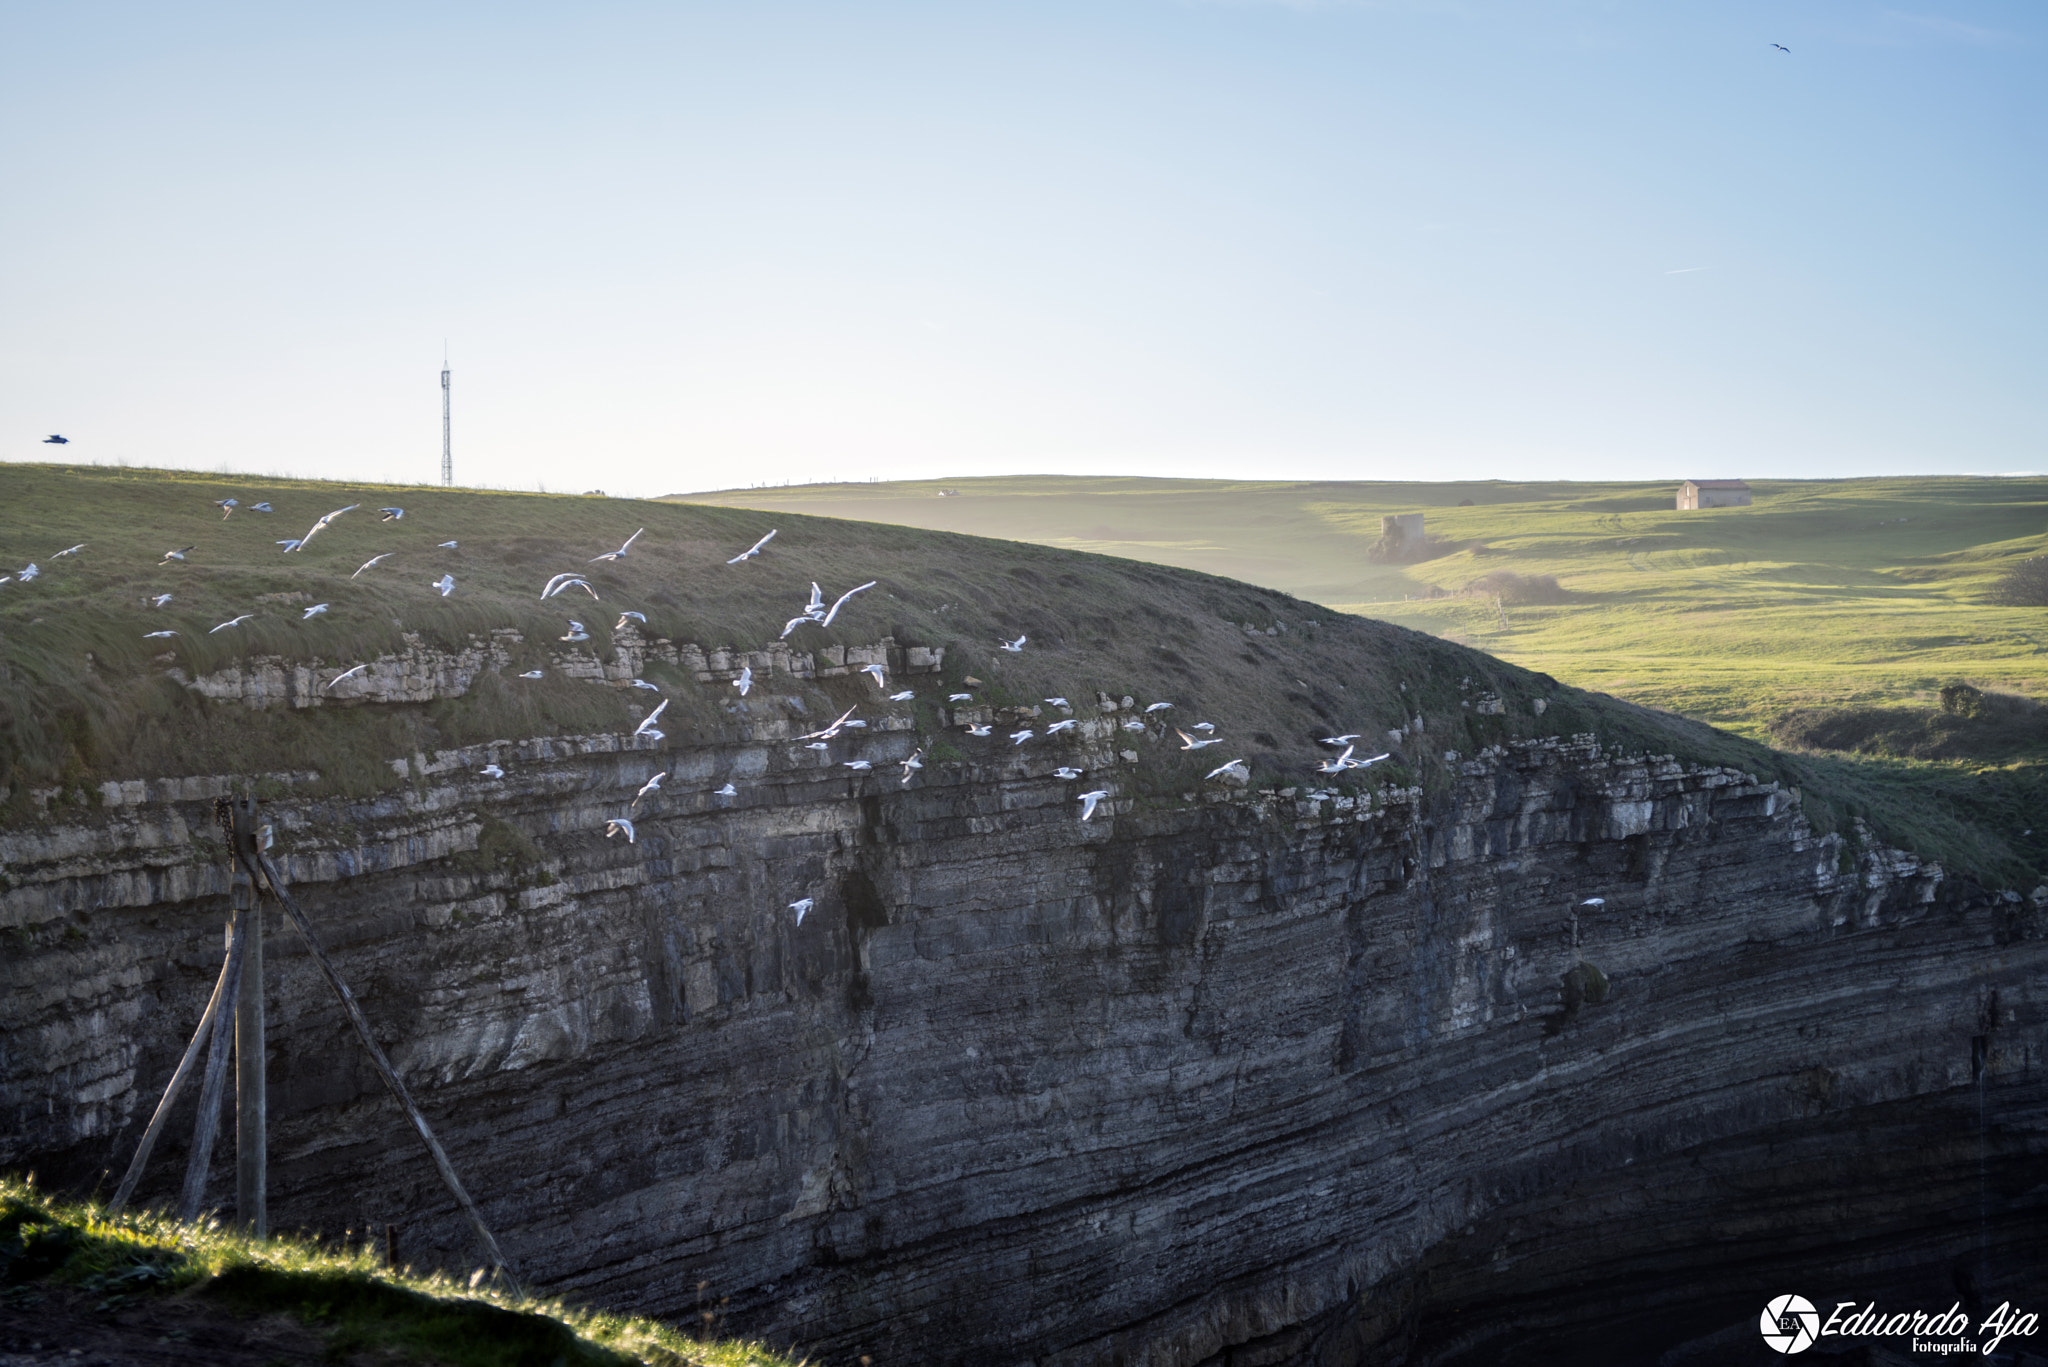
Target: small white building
(1713,493)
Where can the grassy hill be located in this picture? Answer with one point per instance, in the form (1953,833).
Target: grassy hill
(89,697)
(141,1287)
(1823,593)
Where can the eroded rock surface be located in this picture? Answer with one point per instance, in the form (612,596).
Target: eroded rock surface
(1241,1079)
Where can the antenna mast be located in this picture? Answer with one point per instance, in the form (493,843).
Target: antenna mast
(447,451)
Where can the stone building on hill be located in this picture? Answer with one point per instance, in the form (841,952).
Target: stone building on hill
(1713,493)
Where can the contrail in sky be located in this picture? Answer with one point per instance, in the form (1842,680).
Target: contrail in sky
(1688,270)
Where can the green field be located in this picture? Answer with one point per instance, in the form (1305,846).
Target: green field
(1823,593)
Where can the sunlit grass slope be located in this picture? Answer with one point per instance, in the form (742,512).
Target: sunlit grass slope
(88,698)
(342,1293)
(1849,591)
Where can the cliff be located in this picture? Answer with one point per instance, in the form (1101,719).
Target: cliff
(1224,1076)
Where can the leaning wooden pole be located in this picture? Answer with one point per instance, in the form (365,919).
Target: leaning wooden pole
(275,882)
(207,1125)
(163,1107)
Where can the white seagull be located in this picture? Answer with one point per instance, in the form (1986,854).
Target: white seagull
(912,765)
(576,632)
(653,785)
(1344,741)
(745,681)
(801,904)
(491,771)
(563,582)
(1133,724)
(261,508)
(169,556)
(155,635)
(160,600)
(831,730)
(1188,742)
(447,546)
(959,697)
(321,526)
(72,551)
(905,696)
(1058,726)
(1223,769)
(647,722)
(1205,727)
(619,826)
(290,544)
(655,735)
(1019,737)
(373,560)
(313,612)
(727,791)
(1060,702)
(858,764)
(642,683)
(345,674)
(533,674)
(620,553)
(879,672)
(391,514)
(1337,765)
(826,620)
(1088,801)
(818,745)
(748,554)
(232,622)
(1158,707)
(446,583)
(980,730)
(1014,647)
(227,507)
(1594,902)
(31,572)
(1068,772)
(639,617)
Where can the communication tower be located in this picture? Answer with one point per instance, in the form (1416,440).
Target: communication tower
(447,451)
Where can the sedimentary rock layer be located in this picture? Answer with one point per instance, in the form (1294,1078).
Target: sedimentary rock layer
(1238,1077)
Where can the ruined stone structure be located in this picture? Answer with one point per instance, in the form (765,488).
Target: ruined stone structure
(1712,493)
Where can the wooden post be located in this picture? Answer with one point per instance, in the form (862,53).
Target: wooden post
(252,1102)
(207,1125)
(163,1107)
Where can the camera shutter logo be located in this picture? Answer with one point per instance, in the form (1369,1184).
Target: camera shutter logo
(1790,1324)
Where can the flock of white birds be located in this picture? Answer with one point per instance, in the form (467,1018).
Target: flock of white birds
(815,612)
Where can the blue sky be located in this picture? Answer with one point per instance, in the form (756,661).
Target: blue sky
(684,246)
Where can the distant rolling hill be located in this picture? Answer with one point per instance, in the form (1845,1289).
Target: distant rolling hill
(1824,592)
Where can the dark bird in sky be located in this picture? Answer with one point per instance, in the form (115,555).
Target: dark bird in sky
(1781,47)
(54,440)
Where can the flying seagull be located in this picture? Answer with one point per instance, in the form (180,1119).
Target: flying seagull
(447,546)
(1205,727)
(831,730)
(1782,48)
(858,764)
(313,612)
(639,617)
(1158,707)
(1088,801)
(826,620)
(619,826)
(291,544)
(905,696)
(801,904)
(232,622)
(1339,764)
(227,507)
(1594,902)
(160,600)
(1068,772)
(321,526)
(345,674)
(1223,769)
(959,697)
(642,683)
(55,440)
(446,583)
(491,771)
(748,554)
(373,560)
(74,550)
(391,514)
(727,791)
(30,573)
(647,722)
(978,730)
(1190,743)
(576,632)
(154,635)
(261,508)
(562,583)
(620,553)
(912,765)
(1019,737)
(745,681)
(1133,724)
(880,674)
(1059,726)
(533,674)
(1344,741)
(1015,647)
(653,785)
(169,556)
(1060,702)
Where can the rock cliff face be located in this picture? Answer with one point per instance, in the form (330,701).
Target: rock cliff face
(1235,1079)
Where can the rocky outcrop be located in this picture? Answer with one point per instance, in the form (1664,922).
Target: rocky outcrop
(1232,1077)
